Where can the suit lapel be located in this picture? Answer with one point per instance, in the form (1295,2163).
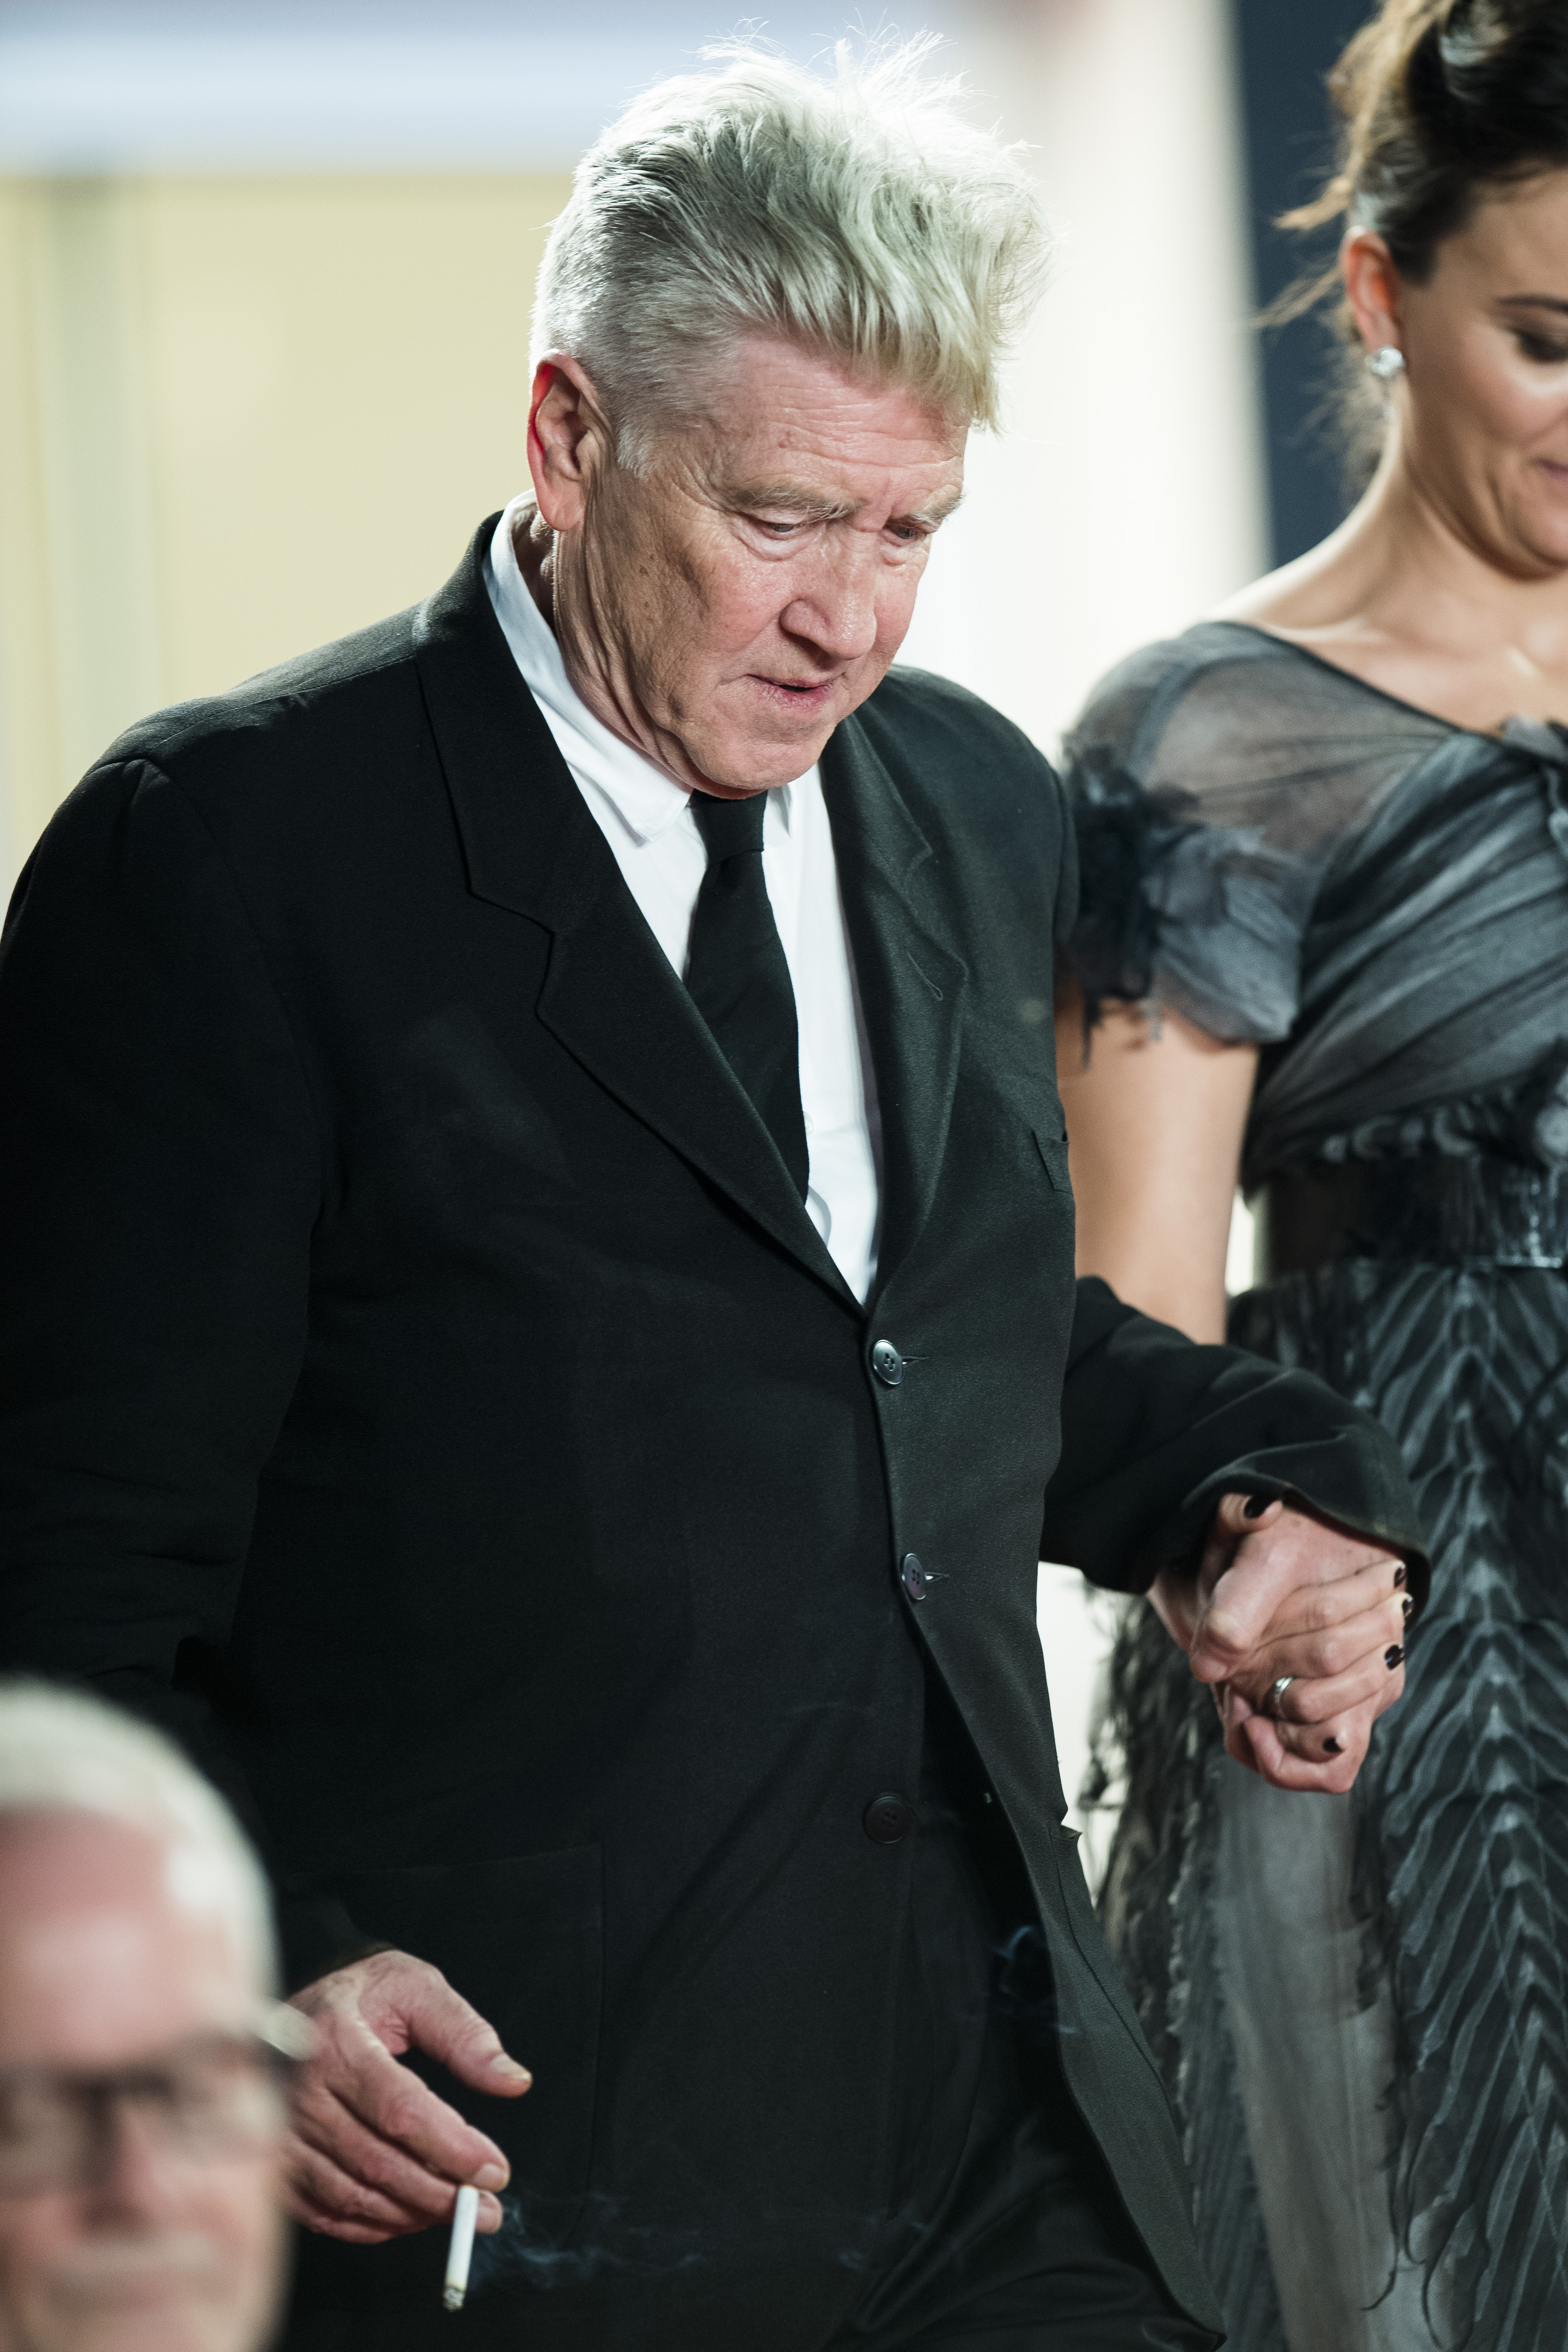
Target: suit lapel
(610,995)
(910,977)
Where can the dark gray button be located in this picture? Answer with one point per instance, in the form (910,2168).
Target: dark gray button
(887,1363)
(888,1817)
(912,1578)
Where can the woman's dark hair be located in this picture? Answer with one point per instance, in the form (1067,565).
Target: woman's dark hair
(1440,102)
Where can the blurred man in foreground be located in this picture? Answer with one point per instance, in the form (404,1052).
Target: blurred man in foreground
(141,2113)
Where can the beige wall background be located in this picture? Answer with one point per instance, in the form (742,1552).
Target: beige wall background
(238,416)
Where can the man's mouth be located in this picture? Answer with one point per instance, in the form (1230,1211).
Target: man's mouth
(803,691)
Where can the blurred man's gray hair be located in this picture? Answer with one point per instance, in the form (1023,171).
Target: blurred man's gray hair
(61,1750)
(864,217)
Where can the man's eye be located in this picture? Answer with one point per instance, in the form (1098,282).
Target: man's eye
(1548,354)
(775,530)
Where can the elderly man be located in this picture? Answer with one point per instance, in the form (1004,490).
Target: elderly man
(537,1297)
(141,2116)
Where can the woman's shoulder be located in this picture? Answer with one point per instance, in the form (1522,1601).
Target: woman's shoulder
(1118,709)
(1249,688)
(1250,729)
(1211,777)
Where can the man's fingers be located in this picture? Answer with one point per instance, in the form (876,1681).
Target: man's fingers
(340,2201)
(1243,1605)
(373,2153)
(326,2196)
(394,2106)
(324,2123)
(446,2026)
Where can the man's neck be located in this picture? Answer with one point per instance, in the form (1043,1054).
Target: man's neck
(533,544)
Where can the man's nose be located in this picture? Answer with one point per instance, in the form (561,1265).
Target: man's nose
(133,2174)
(837,610)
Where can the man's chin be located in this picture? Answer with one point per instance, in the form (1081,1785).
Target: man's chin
(143,2307)
(764,757)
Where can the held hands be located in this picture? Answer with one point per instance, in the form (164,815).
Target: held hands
(372,2152)
(1278,1593)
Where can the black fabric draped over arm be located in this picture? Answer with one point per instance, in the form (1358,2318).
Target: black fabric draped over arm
(1155,1429)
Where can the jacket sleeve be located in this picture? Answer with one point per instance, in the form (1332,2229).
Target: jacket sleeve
(160,1174)
(1155,1429)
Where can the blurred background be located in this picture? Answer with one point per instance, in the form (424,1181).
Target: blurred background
(266,270)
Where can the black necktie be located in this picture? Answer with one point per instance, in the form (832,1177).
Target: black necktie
(737,972)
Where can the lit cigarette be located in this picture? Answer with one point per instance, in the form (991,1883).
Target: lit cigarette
(460,2253)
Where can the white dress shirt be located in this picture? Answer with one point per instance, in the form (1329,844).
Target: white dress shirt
(646,818)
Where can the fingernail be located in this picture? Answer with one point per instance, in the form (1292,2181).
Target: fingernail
(1394,1655)
(1332,1747)
(1254,1506)
(1399,1576)
(509,2070)
(1409,1607)
(492,2176)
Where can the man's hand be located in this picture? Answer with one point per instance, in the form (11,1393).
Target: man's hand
(1279,1594)
(373,2154)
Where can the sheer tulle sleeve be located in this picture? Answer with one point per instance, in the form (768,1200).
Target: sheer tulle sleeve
(1204,918)
(1211,779)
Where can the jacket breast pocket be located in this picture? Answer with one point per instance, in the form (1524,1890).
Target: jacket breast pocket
(522,1941)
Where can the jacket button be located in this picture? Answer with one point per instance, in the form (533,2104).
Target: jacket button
(912,1578)
(888,1817)
(887,1363)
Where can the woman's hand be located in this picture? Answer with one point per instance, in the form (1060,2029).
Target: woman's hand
(1280,1594)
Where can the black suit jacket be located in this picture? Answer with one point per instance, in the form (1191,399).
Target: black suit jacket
(426,1394)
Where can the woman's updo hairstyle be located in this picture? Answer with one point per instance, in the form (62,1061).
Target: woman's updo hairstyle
(1440,102)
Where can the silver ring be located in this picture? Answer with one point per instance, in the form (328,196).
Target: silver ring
(1277,1693)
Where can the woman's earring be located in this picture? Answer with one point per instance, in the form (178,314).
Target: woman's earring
(1386,362)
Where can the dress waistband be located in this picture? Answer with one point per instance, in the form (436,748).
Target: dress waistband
(1474,1209)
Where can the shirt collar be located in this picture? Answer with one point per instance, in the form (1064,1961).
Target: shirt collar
(643,797)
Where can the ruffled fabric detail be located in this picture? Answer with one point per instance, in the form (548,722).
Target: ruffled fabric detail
(1179,912)
(1527,1124)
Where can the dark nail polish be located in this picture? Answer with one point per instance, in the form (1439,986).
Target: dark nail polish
(1399,1576)
(1332,1747)
(1409,1607)
(1394,1655)
(1254,1506)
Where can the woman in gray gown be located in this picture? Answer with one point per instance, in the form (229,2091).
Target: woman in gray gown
(1324,945)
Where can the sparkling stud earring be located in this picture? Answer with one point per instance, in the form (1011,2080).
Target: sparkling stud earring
(1386,362)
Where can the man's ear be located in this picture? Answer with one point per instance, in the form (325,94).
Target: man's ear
(569,440)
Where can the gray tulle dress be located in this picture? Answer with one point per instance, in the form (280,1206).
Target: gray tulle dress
(1361,2004)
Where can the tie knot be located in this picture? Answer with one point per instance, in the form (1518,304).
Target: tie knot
(729,828)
